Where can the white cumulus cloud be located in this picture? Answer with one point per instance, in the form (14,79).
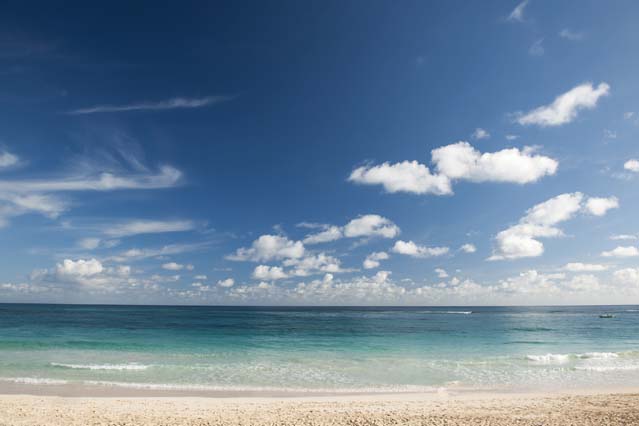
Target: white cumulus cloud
(462,161)
(228,282)
(79,268)
(407,176)
(441,273)
(458,161)
(566,106)
(584,267)
(331,233)
(632,166)
(313,264)
(173,266)
(521,240)
(369,225)
(409,248)
(599,206)
(270,247)
(468,248)
(373,260)
(627,276)
(622,251)
(271,273)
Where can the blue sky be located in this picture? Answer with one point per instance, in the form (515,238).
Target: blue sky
(329,153)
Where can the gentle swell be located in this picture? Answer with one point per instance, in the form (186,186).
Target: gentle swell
(101,366)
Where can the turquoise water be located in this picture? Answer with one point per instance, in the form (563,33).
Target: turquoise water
(319,349)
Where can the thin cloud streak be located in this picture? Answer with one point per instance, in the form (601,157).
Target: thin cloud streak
(517,15)
(138,227)
(167,177)
(174,103)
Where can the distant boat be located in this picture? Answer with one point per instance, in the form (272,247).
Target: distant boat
(606,316)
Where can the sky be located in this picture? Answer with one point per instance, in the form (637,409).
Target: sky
(320,153)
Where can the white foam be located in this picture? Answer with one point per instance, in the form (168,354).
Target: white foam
(223,388)
(226,388)
(598,355)
(34,381)
(563,358)
(607,368)
(101,366)
(549,358)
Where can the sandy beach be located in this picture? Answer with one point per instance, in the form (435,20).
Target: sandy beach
(577,408)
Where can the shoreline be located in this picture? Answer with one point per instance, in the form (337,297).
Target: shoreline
(586,407)
(83,390)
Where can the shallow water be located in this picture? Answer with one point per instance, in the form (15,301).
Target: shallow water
(319,349)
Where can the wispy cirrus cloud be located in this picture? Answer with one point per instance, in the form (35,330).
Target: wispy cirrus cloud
(8,159)
(167,176)
(517,14)
(18,197)
(136,254)
(537,48)
(571,35)
(173,103)
(138,227)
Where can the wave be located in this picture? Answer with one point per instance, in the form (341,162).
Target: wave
(447,312)
(34,381)
(563,358)
(607,368)
(230,388)
(225,388)
(549,358)
(101,366)
(598,355)
(531,329)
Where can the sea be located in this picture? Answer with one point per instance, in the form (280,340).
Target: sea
(319,349)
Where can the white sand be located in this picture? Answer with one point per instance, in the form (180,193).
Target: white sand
(577,408)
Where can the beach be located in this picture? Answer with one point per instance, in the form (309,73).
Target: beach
(575,408)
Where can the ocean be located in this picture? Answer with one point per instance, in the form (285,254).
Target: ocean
(319,349)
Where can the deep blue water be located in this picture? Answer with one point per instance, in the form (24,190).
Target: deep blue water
(319,348)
